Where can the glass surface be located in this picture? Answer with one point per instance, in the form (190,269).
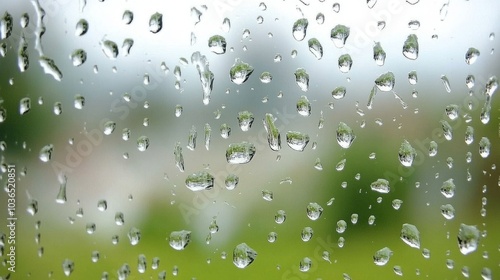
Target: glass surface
(231,139)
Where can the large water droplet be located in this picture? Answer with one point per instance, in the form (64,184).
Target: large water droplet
(127,17)
(345,135)
(381,186)
(273,134)
(452,111)
(134,236)
(6,24)
(82,26)
(245,120)
(78,57)
(299,29)
(50,67)
(200,181)
(448,211)
(406,154)
(378,54)
(314,211)
(484,147)
(305,264)
(345,63)
(304,106)
(468,238)
(297,140)
(410,47)
(243,255)
(386,81)
(24,105)
(410,235)
(302,79)
(339,92)
(68,267)
(448,188)
(306,234)
(339,35)
(109,127)
(315,48)
(491,86)
(179,239)
(239,153)
(240,71)
(231,181)
(217,44)
(109,48)
(155,22)
(471,55)
(382,256)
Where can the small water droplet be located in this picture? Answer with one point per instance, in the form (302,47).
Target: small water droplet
(134,236)
(273,134)
(127,17)
(68,267)
(406,154)
(178,240)
(50,67)
(448,211)
(192,138)
(6,25)
(119,218)
(345,63)
(410,47)
(484,147)
(378,54)
(240,72)
(217,44)
(240,153)
(306,234)
(231,181)
(339,92)
(381,186)
(155,22)
(280,216)
(446,83)
(102,205)
(448,188)
(304,106)
(345,135)
(305,264)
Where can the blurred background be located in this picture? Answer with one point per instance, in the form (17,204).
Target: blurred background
(137,93)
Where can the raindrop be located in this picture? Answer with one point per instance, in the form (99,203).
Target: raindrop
(410,47)
(127,17)
(406,154)
(94,256)
(208,132)
(200,181)
(6,25)
(433,148)
(318,165)
(155,263)
(470,81)
(266,77)
(381,25)
(50,67)
(378,54)
(339,92)
(134,236)
(396,204)
(354,218)
(345,63)
(124,272)
(486,273)
(382,256)
(141,263)
(299,29)
(468,238)
(340,165)
(267,195)
(272,236)
(446,83)
(452,111)
(339,35)
(448,188)
(302,79)
(231,181)
(127,45)
(273,134)
(90,228)
(25,20)
(226,25)
(385,82)
(243,255)
(68,267)
(245,120)
(306,234)
(79,102)
(82,26)
(217,44)
(305,264)
(304,106)
(448,211)
(109,48)
(410,235)
(196,15)
(336,7)
(119,219)
(78,57)
(155,22)
(320,18)
(297,140)
(484,147)
(314,211)
(345,135)
(471,55)
(240,71)
(24,105)
(371,3)
(447,130)
(102,205)
(381,186)
(61,195)
(178,240)
(341,226)
(225,131)
(192,138)
(412,77)
(280,216)
(32,208)
(239,153)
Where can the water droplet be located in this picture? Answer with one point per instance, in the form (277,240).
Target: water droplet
(406,154)
(200,181)
(208,132)
(217,44)
(119,218)
(240,71)
(32,208)
(102,205)
(273,134)
(396,204)
(196,15)
(486,273)
(225,131)
(339,92)
(299,29)
(318,165)
(381,25)
(127,17)
(385,82)
(68,267)
(306,234)
(297,140)
(179,158)
(226,25)
(305,264)
(471,55)
(245,120)
(155,22)
(354,218)
(341,226)
(410,235)
(448,188)
(314,211)
(345,135)
(381,186)
(339,35)
(448,211)
(239,153)
(24,105)
(443,12)
(50,67)
(231,181)
(302,79)
(382,256)
(134,236)
(470,81)
(109,48)
(412,77)
(124,272)
(484,147)
(446,83)
(61,195)
(272,236)
(280,216)
(433,148)
(267,195)
(243,255)
(378,54)
(468,238)
(340,165)
(109,127)
(94,257)
(78,57)
(178,240)
(304,106)
(126,46)
(90,228)
(82,26)
(266,77)
(192,138)
(6,25)
(452,111)
(24,20)
(345,63)
(410,47)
